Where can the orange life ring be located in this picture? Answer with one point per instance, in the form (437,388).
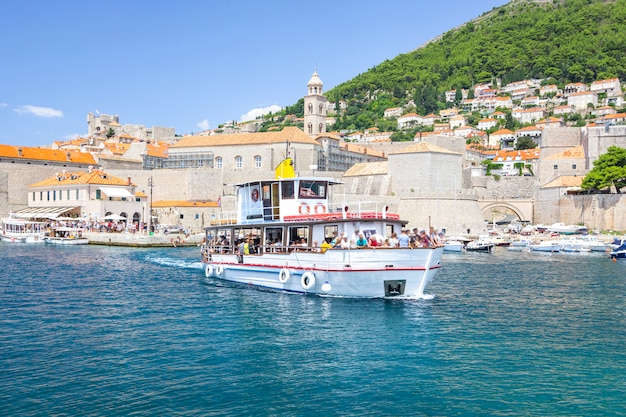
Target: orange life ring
(304,208)
(320,208)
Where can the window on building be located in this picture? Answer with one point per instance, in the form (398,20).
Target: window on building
(573,166)
(33,196)
(60,194)
(238,162)
(48,196)
(556,167)
(77,193)
(40,195)
(257,161)
(98,194)
(68,194)
(54,195)
(218,162)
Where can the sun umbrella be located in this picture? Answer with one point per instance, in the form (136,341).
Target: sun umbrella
(114,217)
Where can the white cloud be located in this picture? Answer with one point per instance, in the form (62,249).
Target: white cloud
(204,125)
(3,104)
(254,113)
(39,111)
(72,136)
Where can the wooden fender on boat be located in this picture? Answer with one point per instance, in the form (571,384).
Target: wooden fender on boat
(208,272)
(284,275)
(308,280)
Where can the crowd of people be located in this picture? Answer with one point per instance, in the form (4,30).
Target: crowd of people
(406,239)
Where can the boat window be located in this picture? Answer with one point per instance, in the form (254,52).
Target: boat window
(331,231)
(298,234)
(287,189)
(273,236)
(312,189)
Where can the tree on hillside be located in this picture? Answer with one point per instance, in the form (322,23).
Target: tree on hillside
(110,133)
(609,169)
(525,142)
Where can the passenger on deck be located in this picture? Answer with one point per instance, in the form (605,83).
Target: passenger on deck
(393,240)
(403,239)
(344,244)
(361,241)
(326,244)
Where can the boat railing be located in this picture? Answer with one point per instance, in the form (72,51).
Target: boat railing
(224,218)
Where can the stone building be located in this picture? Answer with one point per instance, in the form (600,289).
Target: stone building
(250,155)
(99,125)
(315,107)
(423,182)
(94,195)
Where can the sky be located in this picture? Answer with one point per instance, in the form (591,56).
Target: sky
(193,64)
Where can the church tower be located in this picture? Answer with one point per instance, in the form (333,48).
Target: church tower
(315,107)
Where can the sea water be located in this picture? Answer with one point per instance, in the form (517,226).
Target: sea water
(110,331)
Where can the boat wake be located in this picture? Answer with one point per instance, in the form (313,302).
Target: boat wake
(175,262)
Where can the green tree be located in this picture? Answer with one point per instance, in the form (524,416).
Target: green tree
(525,142)
(609,169)
(110,133)
(509,121)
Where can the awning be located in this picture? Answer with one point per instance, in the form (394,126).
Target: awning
(116,192)
(42,212)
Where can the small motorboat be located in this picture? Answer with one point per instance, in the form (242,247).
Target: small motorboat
(479,246)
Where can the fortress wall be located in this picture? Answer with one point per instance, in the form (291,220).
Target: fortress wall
(454,215)
(557,140)
(601,212)
(15,179)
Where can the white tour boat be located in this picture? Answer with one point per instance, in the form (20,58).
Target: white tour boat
(67,236)
(275,241)
(16,230)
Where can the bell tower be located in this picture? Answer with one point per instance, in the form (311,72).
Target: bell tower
(315,107)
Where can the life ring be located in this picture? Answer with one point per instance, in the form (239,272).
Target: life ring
(308,280)
(219,270)
(255,195)
(304,208)
(208,271)
(284,275)
(320,208)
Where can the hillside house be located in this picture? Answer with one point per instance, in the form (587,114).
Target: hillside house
(582,99)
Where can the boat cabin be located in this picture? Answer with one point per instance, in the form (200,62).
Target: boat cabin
(294,213)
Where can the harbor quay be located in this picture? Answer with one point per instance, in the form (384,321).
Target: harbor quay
(144,239)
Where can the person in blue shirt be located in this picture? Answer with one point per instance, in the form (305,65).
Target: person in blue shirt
(361,242)
(403,239)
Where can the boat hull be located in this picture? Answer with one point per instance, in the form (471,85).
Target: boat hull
(380,272)
(22,238)
(67,240)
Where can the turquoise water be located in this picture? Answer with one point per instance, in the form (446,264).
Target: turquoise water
(105,331)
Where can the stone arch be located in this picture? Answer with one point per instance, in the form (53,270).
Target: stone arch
(519,213)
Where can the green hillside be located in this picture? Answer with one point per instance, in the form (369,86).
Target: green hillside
(560,41)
